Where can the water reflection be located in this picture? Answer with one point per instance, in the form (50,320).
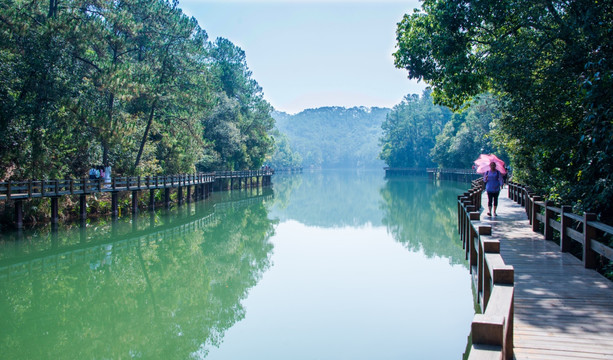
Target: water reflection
(162,286)
(177,284)
(364,268)
(331,199)
(421,215)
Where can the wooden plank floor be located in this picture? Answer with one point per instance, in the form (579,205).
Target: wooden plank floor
(562,310)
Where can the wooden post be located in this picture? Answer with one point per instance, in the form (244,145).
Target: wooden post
(54,209)
(536,209)
(151,199)
(467,237)
(529,202)
(188,197)
(180,194)
(484,277)
(472,234)
(549,214)
(589,233)
(114,202)
(459,214)
(564,223)
(19,214)
(134,201)
(82,207)
(166,197)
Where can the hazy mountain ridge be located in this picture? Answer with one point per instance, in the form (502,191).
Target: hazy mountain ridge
(334,136)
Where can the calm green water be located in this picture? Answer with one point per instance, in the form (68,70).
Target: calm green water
(325,265)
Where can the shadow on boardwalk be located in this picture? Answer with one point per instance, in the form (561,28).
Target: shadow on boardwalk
(562,310)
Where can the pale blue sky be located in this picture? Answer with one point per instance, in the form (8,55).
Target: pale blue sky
(308,54)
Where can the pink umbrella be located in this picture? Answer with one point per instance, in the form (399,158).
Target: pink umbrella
(484,160)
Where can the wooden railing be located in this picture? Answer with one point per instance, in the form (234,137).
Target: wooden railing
(52,188)
(545,218)
(453,171)
(465,175)
(390,171)
(492,330)
(241,174)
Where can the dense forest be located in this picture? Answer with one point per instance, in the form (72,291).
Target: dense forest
(334,137)
(418,133)
(549,66)
(134,84)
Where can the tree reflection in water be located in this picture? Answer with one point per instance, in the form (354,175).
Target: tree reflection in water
(162,287)
(421,215)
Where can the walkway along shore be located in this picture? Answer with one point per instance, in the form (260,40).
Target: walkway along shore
(202,183)
(553,306)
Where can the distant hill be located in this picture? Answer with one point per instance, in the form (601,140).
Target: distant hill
(335,137)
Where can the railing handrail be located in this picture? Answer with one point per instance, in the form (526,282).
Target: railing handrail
(585,231)
(59,187)
(452,170)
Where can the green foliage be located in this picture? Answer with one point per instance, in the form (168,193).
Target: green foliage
(283,156)
(237,129)
(133,84)
(410,130)
(334,137)
(469,133)
(550,63)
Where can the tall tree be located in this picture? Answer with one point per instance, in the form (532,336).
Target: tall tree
(468,134)
(410,130)
(175,91)
(237,131)
(124,82)
(551,64)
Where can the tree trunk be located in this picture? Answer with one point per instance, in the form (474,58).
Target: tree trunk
(105,143)
(52,8)
(145,135)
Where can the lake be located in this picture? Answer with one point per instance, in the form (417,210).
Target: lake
(322,265)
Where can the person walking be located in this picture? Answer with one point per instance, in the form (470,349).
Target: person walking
(493,182)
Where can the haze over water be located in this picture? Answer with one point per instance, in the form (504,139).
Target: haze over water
(325,265)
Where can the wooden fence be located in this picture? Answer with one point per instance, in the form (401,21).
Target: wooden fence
(465,175)
(389,171)
(203,184)
(492,330)
(13,190)
(584,229)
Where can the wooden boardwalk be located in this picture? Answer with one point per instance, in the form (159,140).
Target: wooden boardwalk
(562,310)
